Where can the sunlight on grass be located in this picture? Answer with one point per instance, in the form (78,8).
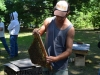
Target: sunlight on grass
(75,72)
(89,61)
(92,59)
(2,57)
(1,72)
(24,34)
(20,34)
(7,35)
(98,57)
(24,41)
(97,66)
(23,51)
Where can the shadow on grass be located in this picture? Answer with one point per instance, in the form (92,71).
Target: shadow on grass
(24,42)
(92,59)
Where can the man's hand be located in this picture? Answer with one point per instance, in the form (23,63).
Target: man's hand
(35,31)
(51,59)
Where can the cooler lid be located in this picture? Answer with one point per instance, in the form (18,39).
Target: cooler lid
(23,63)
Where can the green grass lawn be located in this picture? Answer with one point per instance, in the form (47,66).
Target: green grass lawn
(92,59)
(91,62)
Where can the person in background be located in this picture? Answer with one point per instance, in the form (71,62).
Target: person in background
(13,28)
(2,36)
(59,39)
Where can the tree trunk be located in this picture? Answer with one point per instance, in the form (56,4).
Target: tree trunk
(54,3)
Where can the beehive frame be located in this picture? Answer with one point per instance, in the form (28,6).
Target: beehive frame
(37,52)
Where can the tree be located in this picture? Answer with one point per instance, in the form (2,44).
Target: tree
(29,10)
(2,5)
(2,8)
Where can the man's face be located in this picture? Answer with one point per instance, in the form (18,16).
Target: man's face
(60,19)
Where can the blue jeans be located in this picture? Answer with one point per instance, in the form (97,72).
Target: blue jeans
(3,40)
(13,45)
(55,72)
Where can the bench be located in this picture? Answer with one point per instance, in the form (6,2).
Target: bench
(80,50)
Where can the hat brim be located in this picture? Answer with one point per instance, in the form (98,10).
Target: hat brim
(60,13)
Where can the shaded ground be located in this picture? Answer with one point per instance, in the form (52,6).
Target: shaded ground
(92,59)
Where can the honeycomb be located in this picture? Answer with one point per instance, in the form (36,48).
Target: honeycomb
(37,52)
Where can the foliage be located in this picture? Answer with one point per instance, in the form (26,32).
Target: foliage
(81,19)
(2,5)
(30,12)
(85,14)
(96,14)
(2,9)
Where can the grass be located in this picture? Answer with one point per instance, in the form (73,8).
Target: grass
(92,59)
(91,62)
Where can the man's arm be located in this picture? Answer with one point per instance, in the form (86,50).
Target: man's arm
(43,28)
(11,25)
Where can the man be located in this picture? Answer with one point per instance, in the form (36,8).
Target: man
(2,37)
(59,38)
(13,28)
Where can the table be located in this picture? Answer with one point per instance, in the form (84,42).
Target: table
(80,50)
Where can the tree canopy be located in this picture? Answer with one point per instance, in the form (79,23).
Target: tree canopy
(84,13)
